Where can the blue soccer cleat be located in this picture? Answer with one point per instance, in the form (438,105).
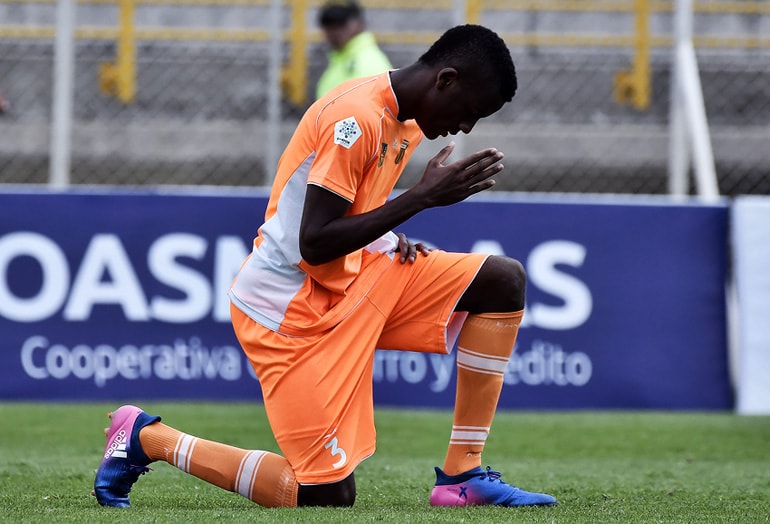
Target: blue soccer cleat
(123,459)
(482,488)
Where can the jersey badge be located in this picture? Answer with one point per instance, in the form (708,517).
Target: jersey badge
(382,154)
(402,150)
(346,132)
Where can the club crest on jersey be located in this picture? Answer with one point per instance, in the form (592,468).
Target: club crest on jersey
(346,132)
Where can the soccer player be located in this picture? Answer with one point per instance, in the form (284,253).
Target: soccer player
(327,282)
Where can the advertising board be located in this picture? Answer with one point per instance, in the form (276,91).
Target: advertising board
(123,295)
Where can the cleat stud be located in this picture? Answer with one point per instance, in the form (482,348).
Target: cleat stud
(109,414)
(93,493)
(106,431)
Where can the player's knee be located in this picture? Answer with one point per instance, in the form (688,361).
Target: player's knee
(514,281)
(499,287)
(507,282)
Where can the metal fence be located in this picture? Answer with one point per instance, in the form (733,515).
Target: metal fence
(177,91)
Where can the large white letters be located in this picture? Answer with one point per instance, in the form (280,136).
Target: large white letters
(106,255)
(106,276)
(543,273)
(162,260)
(55,277)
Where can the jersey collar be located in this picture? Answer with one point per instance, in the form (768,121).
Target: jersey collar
(388,96)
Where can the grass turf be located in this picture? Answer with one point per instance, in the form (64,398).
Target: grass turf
(602,467)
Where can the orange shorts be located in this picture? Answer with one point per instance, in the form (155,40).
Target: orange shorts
(318,389)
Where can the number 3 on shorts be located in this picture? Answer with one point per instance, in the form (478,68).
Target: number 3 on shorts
(335,450)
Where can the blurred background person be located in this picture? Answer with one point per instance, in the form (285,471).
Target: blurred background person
(354,51)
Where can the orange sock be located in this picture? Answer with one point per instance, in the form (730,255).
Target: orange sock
(260,476)
(483,349)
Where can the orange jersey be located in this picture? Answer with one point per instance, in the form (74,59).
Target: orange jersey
(351,143)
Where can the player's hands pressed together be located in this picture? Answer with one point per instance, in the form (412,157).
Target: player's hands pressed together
(446,184)
(451,184)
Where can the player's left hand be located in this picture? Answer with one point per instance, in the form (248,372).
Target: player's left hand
(408,251)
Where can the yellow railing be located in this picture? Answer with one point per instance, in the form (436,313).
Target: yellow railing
(294,74)
(119,77)
(632,85)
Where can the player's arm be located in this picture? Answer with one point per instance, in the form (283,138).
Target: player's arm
(326,233)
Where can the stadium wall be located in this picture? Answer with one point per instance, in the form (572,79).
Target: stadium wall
(121,295)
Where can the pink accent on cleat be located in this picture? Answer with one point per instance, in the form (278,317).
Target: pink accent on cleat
(123,460)
(482,488)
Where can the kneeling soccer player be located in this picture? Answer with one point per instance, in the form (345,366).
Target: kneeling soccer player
(328,281)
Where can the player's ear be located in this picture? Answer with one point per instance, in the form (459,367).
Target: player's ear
(446,77)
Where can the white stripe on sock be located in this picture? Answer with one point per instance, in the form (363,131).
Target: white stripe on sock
(469,435)
(183,451)
(471,428)
(481,363)
(247,472)
(188,457)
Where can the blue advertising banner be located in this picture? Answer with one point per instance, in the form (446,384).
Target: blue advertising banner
(123,295)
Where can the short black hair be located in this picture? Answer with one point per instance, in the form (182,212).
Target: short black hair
(339,12)
(476,50)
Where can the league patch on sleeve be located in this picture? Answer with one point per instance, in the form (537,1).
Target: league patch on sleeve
(346,132)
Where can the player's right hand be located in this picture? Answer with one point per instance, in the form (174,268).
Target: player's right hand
(445,184)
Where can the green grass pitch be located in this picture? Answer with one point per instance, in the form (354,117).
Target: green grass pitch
(602,467)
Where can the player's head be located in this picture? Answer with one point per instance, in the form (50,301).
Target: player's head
(478,54)
(474,77)
(340,21)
